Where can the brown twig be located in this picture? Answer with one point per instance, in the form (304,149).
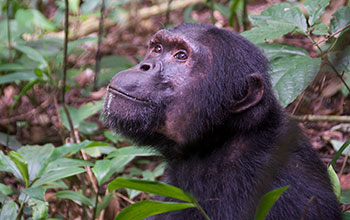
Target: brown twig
(343,164)
(65,54)
(332,35)
(125,198)
(329,118)
(9,30)
(98,53)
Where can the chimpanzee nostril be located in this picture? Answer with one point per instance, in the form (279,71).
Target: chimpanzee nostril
(145,67)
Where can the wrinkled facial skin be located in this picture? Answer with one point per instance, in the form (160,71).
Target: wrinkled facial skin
(141,100)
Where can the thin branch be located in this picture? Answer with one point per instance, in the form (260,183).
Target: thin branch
(9,30)
(65,52)
(332,35)
(167,14)
(316,118)
(98,53)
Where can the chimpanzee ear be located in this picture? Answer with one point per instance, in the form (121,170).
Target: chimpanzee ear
(253,96)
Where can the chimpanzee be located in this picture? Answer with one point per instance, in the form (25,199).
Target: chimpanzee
(203,98)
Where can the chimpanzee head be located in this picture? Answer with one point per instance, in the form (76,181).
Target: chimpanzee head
(193,79)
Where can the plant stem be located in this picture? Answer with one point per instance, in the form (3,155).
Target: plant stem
(96,202)
(98,53)
(9,30)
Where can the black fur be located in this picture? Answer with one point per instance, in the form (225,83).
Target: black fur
(225,151)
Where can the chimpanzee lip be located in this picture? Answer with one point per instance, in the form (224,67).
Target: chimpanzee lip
(115,91)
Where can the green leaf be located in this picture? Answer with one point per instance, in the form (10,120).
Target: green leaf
(101,171)
(74,114)
(154,187)
(40,209)
(7,165)
(267,201)
(66,163)
(12,67)
(5,190)
(77,197)
(275,51)
(28,18)
(74,6)
(88,127)
(341,148)
(345,196)
(144,209)
(56,175)
(9,141)
(291,75)
(134,151)
(315,9)
(32,54)
(334,181)
(37,158)
(35,193)
(21,164)
(261,34)
(9,211)
(340,19)
(18,76)
(346,216)
(320,29)
(89,109)
(277,20)
(113,137)
(104,203)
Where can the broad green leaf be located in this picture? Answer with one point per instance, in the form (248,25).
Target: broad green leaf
(35,193)
(21,164)
(315,9)
(57,175)
(104,203)
(9,211)
(345,196)
(291,75)
(346,216)
(74,6)
(334,181)
(12,67)
(7,165)
(37,158)
(68,149)
(40,209)
(275,50)
(89,109)
(261,34)
(28,18)
(9,141)
(74,114)
(340,58)
(154,187)
(18,76)
(32,54)
(267,201)
(77,197)
(101,171)
(340,19)
(134,151)
(144,209)
(5,190)
(341,148)
(113,137)
(97,151)
(88,127)
(281,15)
(320,29)
(66,163)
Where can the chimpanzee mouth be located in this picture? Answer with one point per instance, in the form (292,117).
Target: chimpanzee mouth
(115,91)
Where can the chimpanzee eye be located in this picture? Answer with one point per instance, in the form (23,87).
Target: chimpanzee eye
(157,49)
(181,55)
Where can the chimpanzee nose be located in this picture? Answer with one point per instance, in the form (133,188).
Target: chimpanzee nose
(145,66)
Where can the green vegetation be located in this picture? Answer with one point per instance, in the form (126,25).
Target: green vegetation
(79,166)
